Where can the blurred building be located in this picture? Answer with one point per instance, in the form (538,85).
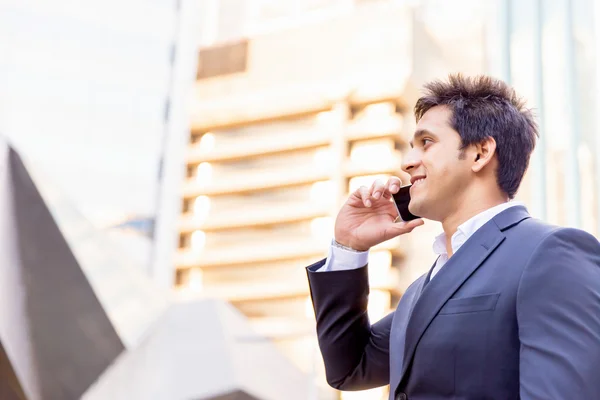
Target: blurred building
(306,102)
(297,103)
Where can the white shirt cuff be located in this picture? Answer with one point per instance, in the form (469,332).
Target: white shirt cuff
(340,259)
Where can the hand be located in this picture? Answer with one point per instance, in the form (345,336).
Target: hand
(367,218)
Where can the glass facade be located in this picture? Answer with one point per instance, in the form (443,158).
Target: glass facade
(553,64)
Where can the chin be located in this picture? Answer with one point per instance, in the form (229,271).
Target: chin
(420,209)
(423,211)
(415,208)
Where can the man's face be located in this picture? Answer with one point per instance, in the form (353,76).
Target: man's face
(439,172)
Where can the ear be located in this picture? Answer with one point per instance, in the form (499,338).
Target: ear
(485,152)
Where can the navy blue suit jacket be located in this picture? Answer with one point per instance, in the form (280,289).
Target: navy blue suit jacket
(515,313)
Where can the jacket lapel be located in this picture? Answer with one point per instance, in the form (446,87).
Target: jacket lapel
(401,318)
(456,271)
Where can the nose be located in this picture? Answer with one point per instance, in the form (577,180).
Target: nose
(411,160)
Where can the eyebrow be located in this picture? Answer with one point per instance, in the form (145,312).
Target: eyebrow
(419,134)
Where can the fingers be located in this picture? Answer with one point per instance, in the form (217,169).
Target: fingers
(378,190)
(365,195)
(392,186)
(387,190)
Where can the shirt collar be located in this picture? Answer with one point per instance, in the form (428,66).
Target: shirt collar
(468,228)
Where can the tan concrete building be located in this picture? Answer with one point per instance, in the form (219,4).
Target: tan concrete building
(285,123)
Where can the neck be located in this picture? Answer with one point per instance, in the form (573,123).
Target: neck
(463,214)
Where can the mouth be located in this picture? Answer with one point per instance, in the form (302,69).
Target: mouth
(417,180)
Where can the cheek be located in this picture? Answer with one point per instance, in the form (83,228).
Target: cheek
(437,165)
(444,169)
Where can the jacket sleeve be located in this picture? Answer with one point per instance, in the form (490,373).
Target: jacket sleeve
(558,314)
(356,353)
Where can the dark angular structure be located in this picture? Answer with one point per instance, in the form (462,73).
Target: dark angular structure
(113,261)
(55,337)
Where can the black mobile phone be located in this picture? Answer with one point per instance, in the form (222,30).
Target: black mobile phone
(402,199)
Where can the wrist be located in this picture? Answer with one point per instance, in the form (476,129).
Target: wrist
(348,246)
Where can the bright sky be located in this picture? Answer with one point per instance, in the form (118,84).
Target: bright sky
(82,93)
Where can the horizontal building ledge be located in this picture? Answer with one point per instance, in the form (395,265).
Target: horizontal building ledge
(262,105)
(251,292)
(291,100)
(252,217)
(361,131)
(270,250)
(266,180)
(255,148)
(239,150)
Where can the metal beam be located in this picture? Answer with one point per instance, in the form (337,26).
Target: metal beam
(539,157)
(573,192)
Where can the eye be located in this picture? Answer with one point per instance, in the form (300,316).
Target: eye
(426,141)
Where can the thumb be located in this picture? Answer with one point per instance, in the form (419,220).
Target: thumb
(394,229)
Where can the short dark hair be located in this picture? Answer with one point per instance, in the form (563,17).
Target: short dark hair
(481,107)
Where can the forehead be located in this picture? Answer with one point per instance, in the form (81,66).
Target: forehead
(436,119)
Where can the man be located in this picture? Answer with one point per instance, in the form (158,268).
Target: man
(511,307)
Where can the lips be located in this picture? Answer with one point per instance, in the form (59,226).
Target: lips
(417,179)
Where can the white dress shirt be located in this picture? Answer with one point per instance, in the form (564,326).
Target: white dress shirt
(340,259)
